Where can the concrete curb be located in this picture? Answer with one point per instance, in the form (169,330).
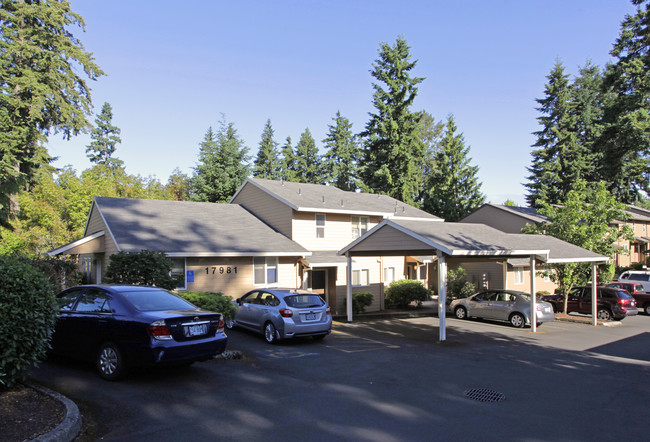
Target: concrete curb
(69,428)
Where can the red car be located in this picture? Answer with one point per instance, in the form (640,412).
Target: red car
(612,303)
(637,291)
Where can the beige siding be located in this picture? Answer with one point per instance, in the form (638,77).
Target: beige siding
(338,230)
(267,208)
(96,224)
(240,278)
(483,274)
(540,283)
(499,219)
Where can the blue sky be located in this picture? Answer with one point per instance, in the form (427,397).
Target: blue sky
(174,67)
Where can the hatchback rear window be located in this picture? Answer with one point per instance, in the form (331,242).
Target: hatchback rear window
(156,300)
(304,301)
(621,294)
(638,277)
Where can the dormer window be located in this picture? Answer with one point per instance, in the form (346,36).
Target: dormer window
(359,226)
(320,226)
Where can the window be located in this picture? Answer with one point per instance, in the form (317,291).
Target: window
(67,300)
(93,301)
(359,226)
(178,270)
(265,270)
(519,275)
(320,226)
(389,275)
(361,277)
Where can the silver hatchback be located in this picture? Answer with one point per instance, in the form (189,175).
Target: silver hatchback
(502,305)
(282,314)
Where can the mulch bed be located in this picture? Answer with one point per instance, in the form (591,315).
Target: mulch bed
(26,413)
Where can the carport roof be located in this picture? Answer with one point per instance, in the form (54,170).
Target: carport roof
(464,239)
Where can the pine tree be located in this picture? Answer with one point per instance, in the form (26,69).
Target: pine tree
(222,166)
(307,161)
(341,159)
(41,92)
(288,162)
(453,190)
(625,142)
(105,136)
(393,152)
(267,163)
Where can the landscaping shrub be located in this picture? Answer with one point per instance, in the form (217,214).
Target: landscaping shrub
(142,268)
(27,314)
(401,293)
(62,272)
(360,301)
(541,293)
(457,285)
(212,301)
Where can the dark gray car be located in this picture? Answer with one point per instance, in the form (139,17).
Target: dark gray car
(282,314)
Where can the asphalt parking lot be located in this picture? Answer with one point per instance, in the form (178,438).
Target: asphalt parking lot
(385,380)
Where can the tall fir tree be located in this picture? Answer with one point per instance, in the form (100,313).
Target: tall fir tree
(223,165)
(288,162)
(105,137)
(393,152)
(625,142)
(41,89)
(431,132)
(453,189)
(342,156)
(307,161)
(267,163)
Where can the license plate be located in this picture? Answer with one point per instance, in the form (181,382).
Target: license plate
(196,330)
(310,317)
(547,309)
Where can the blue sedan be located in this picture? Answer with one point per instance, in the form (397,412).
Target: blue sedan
(118,327)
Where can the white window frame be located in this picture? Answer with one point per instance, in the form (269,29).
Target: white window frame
(519,275)
(320,229)
(358,228)
(358,275)
(387,271)
(175,269)
(269,262)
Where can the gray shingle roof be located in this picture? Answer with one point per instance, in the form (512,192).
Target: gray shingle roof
(185,228)
(317,197)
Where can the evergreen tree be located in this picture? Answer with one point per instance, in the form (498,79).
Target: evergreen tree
(307,161)
(625,142)
(41,91)
(288,162)
(222,166)
(453,190)
(105,136)
(267,163)
(431,132)
(342,157)
(393,152)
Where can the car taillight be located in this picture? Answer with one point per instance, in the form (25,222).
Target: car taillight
(286,313)
(624,301)
(158,330)
(221,325)
(329,311)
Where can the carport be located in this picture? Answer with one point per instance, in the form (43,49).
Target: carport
(470,241)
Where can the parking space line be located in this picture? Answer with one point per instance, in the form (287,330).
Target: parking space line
(348,343)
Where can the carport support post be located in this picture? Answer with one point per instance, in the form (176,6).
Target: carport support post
(594,296)
(442,296)
(348,297)
(533,296)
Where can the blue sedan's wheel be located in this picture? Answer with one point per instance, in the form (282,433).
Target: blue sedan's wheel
(270,334)
(517,320)
(110,364)
(461,312)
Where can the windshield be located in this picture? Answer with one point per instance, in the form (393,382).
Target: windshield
(304,301)
(150,300)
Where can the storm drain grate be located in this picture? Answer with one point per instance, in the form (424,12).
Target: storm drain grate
(484,395)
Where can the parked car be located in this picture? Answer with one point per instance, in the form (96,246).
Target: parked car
(502,305)
(641,297)
(282,314)
(640,276)
(612,303)
(118,327)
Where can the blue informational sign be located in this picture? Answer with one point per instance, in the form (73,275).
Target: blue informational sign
(190,276)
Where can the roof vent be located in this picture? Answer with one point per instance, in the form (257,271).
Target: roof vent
(299,190)
(323,198)
(341,203)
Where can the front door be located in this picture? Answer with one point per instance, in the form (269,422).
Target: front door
(318,283)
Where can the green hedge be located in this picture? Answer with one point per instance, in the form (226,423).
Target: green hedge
(212,301)
(360,301)
(401,293)
(27,315)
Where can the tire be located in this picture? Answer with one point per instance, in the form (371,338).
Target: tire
(230,323)
(604,314)
(539,324)
(270,333)
(646,309)
(517,320)
(460,312)
(110,363)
